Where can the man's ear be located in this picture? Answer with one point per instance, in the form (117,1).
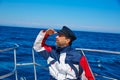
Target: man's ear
(68,40)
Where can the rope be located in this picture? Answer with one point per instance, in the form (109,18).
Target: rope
(95,50)
(8,49)
(8,74)
(109,78)
(42,67)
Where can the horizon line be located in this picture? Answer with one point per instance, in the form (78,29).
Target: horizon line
(42,27)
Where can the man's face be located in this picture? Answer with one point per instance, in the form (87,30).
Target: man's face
(62,41)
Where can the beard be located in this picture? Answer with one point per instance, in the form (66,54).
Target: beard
(60,43)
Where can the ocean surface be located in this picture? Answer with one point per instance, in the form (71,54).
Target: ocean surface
(107,66)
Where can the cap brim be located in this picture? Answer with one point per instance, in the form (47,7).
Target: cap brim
(61,32)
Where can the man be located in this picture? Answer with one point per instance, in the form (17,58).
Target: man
(64,62)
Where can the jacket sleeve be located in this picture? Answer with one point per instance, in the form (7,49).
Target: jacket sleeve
(39,44)
(87,73)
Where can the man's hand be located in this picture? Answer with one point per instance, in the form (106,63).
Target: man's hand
(51,31)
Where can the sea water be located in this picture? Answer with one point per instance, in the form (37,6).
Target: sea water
(103,64)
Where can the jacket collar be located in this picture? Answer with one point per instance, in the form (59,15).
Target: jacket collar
(64,49)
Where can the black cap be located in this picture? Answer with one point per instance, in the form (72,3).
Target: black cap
(68,33)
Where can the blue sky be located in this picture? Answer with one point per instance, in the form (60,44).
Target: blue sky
(82,15)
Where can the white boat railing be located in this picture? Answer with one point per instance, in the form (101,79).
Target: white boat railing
(100,51)
(14,72)
(96,50)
